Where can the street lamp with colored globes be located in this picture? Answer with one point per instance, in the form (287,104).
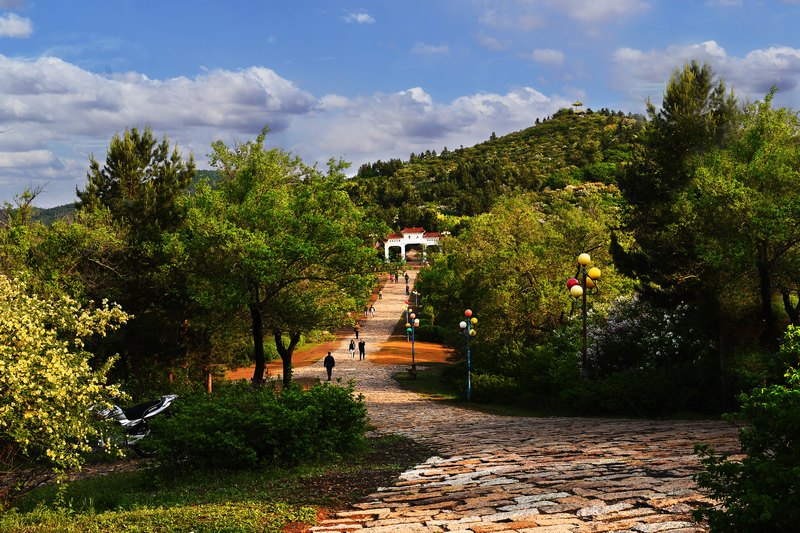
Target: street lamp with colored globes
(468,329)
(584,283)
(411,325)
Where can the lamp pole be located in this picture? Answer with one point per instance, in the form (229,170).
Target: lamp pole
(584,283)
(468,328)
(408,310)
(411,325)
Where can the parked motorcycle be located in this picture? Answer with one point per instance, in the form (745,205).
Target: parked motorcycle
(133,420)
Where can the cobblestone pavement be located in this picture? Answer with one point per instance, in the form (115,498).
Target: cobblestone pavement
(504,474)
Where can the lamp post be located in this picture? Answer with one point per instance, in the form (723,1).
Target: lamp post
(468,328)
(411,325)
(408,310)
(415,294)
(584,283)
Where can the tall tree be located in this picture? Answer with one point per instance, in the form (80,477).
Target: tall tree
(281,241)
(138,187)
(139,183)
(697,115)
(746,204)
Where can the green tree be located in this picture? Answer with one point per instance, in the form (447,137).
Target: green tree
(697,115)
(761,491)
(46,382)
(139,183)
(746,205)
(137,190)
(510,266)
(280,240)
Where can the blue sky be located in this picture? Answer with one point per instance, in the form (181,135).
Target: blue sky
(360,81)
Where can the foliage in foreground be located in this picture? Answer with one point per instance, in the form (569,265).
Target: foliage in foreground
(241,426)
(46,383)
(265,499)
(761,492)
(219,517)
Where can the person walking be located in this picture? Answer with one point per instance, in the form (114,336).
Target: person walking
(362,351)
(356,328)
(380,295)
(372,311)
(329,363)
(405,274)
(352,349)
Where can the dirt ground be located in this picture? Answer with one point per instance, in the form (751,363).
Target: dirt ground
(396,351)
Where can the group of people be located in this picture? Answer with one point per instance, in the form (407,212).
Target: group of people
(395,278)
(361,349)
(329,362)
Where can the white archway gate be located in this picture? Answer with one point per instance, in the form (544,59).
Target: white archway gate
(409,236)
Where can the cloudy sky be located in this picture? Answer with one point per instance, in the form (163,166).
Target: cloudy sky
(361,80)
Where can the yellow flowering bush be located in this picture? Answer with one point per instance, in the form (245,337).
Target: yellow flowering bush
(46,383)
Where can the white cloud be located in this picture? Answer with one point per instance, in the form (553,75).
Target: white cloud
(594,11)
(430,49)
(383,126)
(359,18)
(54,114)
(511,16)
(546,56)
(528,15)
(12,25)
(646,73)
(30,158)
(493,43)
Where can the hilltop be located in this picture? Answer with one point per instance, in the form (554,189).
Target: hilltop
(569,148)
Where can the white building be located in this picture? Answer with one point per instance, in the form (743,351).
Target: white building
(410,236)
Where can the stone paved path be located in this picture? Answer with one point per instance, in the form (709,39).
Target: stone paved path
(504,474)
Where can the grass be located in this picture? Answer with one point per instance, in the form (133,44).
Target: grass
(154,499)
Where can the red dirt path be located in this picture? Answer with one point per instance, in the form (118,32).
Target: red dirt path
(396,351)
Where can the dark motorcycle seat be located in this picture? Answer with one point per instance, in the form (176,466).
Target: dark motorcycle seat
(138,411)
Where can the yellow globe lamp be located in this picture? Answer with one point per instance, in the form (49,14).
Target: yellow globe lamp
(593,273)
(590,283)
(584,259)
(472,332)
(473,321)
(576,291)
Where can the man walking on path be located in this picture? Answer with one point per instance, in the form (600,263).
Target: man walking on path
(329,363)
(362,350)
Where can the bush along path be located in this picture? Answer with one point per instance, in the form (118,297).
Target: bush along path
(501,474)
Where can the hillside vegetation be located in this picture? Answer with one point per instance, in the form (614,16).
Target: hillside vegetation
(569,148)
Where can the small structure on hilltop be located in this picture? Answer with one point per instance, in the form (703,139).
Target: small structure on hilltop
(408,237)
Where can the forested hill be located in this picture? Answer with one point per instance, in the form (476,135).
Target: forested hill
(570,148)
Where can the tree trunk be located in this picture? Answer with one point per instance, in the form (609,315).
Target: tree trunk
(765,288)
(286,353)
(258,344)
(792,312)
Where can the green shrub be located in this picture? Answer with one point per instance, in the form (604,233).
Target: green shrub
(644,392)
(762,491)
(492,388)
(240,426)
(430,333)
